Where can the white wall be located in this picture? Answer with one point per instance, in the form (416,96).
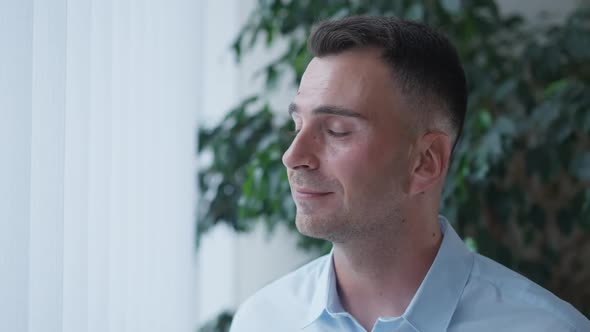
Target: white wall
(98,104)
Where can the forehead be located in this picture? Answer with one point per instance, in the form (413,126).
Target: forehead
(358,80)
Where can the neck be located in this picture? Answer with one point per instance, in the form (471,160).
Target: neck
(379,277)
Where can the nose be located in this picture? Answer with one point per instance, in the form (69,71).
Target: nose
(301,153)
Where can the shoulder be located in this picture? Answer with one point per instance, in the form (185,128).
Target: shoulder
(283,300)
(509,300)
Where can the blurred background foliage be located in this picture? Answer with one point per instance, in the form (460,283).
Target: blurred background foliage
(519,186)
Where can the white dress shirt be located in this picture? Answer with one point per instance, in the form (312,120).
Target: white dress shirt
(462,291)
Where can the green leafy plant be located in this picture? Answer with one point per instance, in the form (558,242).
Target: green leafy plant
(519,185)
(221,323)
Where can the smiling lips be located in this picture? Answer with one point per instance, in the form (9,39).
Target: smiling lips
(302,193)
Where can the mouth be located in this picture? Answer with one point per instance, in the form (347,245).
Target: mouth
(308,194)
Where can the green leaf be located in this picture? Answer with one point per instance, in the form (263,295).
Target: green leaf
(471,244)
(484,120)
(556,87)
(237,49)
(271,77)
(221,323)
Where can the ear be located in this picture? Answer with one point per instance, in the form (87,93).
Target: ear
(431,159)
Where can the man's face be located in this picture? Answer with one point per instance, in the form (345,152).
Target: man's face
(348,163)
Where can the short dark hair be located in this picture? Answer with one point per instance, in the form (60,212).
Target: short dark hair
(424,61)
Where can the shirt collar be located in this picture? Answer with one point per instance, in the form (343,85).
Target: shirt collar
(434,303)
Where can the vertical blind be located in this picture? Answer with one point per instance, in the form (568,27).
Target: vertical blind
(98,105)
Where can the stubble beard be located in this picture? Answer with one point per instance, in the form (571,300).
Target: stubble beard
(366,220)
(346,226)
(334,229)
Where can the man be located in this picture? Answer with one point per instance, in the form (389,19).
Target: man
(377,115)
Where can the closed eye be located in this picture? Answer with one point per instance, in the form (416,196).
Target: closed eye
(337,133)
(333,133)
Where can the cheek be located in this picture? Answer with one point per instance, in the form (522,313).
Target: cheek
(367,168)
(354,165)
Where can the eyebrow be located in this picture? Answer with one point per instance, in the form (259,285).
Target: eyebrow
(329,109)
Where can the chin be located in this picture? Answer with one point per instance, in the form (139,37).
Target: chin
(315,227)
(329,228)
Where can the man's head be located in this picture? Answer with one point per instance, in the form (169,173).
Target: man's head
(378,112)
